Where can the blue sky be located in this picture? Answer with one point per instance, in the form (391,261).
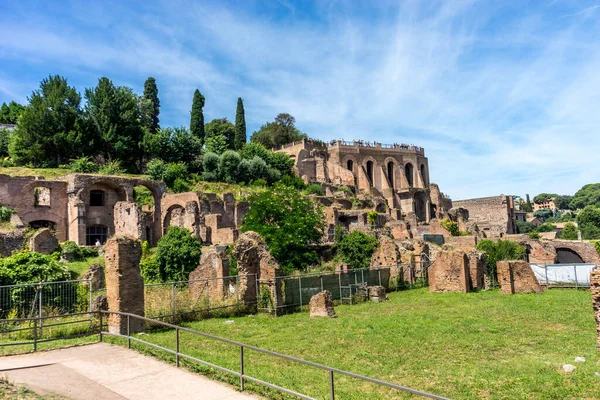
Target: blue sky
(504,96)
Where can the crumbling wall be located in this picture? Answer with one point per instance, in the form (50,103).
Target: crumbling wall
(493,215)
(449,272)
(477,269)
(124,284)
(11,241)
(517,277)
(129,220)
(43,241)
(595,288)
(207,279)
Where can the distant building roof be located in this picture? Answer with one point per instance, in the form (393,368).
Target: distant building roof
(10,127)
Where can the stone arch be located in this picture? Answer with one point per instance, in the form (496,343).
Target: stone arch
(424,174)
(173,217)
(409,172)
(567,256)
(420,206)
(370,168)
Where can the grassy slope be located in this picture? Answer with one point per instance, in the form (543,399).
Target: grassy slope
(479,345)
(79,268)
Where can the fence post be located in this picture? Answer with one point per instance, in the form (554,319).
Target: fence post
(575,271)
(546,271)
(242,368)
(34,335)
(237,293)
(128,337)
(340,280)
(173,300)
(379,273)
(331,386)
(100,331)
(177,347)
(362,274)
(321,276)
(41,291)
(90,305)
(300,287)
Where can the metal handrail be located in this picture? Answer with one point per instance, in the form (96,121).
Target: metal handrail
(243,377)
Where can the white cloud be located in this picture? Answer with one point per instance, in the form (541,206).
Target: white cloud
(502,102)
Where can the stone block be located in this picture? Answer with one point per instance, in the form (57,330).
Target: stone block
(96,275)
(449,272)
(124,284)
(129,220)
(43,241)
(377,294)
(100,303)
(321,305)
(517,277)
(595,289)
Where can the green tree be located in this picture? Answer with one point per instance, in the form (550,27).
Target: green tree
(542,197)
(252,149)
(151,105)
(281,162)
(563,202)
(221,127)
(114,115)
(197,117)
(546,227)
(587,195)
(173,145)
(177,254)
(499,251)
(5,136)
(525,227)
(569,232)
(290,224)
(9,113)
(240,125)
(228,166)
(49,131)
(216,144)
(588,220)
(356,249)
(210,167)
(543,214)
(283,130)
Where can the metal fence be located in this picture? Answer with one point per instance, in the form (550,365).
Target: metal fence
(563,275)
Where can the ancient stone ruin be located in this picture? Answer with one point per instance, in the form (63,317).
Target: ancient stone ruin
(255,264)
(595,288)
(124,284)
(377,293)
(321,305)
(450,272)
(43,241)
(479,278)
(95,274)
(517,277)
(207,280)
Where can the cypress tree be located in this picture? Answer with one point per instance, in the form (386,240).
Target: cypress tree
(197,117)
(151,98)
(240,125)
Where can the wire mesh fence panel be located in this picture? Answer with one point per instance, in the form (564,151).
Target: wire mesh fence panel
(44,299)
(563,275)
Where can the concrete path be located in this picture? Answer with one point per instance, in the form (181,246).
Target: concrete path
(102,371)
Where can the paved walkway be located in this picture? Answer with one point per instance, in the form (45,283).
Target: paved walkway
(102,371)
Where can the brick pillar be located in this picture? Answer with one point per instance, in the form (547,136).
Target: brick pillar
(595,286)
(124,284)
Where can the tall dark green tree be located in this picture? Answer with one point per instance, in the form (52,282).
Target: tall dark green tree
(9,113)
(150,105)
(114,115)
(49,131)
(240,125)
(282,131)
(197,116)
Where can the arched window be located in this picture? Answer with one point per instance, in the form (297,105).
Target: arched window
(97,198)
(96,233)
(390,173)
(370,172)
(408,171)
(350,165)
(423,174)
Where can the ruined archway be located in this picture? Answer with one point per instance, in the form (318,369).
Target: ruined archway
(174,217)
(568,256)
(370,172)
(390,173)
(421,206)
(350,165)
(42,223)
(409,172)
(424,175)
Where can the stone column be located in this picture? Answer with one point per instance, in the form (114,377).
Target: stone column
(124,284)
(595,286)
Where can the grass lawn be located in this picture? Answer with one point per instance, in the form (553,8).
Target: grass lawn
(48,173)
(477,345)
(79,268)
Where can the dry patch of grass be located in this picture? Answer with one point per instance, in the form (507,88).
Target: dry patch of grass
(9,391)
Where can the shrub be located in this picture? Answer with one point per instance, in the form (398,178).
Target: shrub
(356,249)
(293,181)
(289,222)
(228,166)
(525,227)
(251,150)
(69,250)
(177,254)
(83,165)
(569,232)
(143,196)
(273,175)
(243,172)
(588,220)
(155,169)
(281,162)
(6,213)
(372,217)
(534,235)
(546,227)
(501,250)
(173,172)
(112,168)
(150,269)
(450,226)
(29,267)
(314,188)
(180,186)
(210,166)
(259,183)
(258,168)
